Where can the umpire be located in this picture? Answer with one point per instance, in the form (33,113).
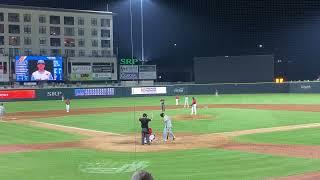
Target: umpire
(145,128)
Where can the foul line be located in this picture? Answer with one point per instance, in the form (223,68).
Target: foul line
(76,128)
(266,130)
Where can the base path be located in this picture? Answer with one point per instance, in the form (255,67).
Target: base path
(307,176)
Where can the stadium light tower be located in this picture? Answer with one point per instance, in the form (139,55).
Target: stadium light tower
(142,32)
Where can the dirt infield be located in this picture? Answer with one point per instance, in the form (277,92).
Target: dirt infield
(308,176)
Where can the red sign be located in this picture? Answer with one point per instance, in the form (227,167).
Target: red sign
(18,94)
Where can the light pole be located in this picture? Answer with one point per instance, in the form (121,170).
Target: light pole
(142,32)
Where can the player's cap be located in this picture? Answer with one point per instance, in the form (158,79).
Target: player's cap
(145,115)
(40,62)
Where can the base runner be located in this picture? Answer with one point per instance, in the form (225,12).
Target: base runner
(2,111)
(68,105)
(194,106)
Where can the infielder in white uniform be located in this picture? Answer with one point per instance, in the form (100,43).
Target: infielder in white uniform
(186,102)
(194,106)
(41,74)
(167,127)
(2,111)
(68,105)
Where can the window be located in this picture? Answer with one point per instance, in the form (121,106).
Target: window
(69,42)
(105,22)
(68,20)
(27,51)
(55,42)
(105,33)
(105,43)
(43,52)
(55,52)
(82,53)
(55,31)
(43,41)
(1,17)
(54,19)
(81,43)
(1,28)
(80,32)
(14,52)
(27,17)
(80,21)
(94,43)
(1,40)
(105,53)
(94,32)
(13,17)
(68,31)
(1,50)
(27,40)
(42,30)
(14,40)
(95,53)
(70,52)
(42,19)
(94,22)
(27,29)
(14,29)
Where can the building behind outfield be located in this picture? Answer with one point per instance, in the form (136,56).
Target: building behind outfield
(57,32)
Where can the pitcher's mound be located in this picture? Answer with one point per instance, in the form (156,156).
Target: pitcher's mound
(192,117)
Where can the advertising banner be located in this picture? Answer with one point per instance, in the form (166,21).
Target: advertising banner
(147,72)
(81,69)
(148,90)
(94,92)
(17,94)
(102,69)
(129,72)
(81,77)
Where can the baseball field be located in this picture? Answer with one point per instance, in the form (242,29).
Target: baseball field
(260,136)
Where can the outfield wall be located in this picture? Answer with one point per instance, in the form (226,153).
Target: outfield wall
(172,90)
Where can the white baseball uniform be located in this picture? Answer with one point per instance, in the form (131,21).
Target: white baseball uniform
(186,101)
(2,112)
(38,76)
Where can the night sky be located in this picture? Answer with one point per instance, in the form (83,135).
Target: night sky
(288,29)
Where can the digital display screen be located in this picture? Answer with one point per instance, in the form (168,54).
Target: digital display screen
(39,68)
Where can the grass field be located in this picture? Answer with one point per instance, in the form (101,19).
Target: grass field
(300,136)
(198,163)
(23,134)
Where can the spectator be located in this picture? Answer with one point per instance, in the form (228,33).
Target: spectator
(141,175)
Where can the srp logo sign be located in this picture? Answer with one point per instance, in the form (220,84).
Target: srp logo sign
(54,94)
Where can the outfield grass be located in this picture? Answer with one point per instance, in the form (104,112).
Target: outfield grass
(222,120)
(170,100)
(23,134)
(179,165)
(309,136)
